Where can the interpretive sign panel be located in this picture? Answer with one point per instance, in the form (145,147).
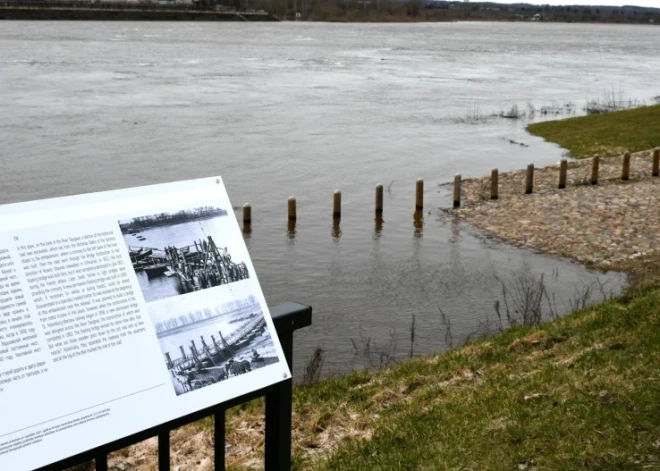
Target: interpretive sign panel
(123,310)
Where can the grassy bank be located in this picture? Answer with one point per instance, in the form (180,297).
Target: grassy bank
(606,134)
(580,393)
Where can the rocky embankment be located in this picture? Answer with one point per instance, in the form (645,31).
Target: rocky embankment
(604,225)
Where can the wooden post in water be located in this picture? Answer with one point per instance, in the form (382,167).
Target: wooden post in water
(625,168)
(379,198)
(169,361)
(247,215)
(183,352)
(595,162)
(529,181)
(457,190)
(336,204)
(419,194)
(292,209)
(418,222)
(378,227)
(336,229)
(494,184)
(656,162)
(563,167)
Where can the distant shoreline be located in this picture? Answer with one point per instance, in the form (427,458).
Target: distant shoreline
(406,19)
(111,14)
(97,14)
(364,11)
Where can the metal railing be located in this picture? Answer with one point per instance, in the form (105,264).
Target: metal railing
(287,317)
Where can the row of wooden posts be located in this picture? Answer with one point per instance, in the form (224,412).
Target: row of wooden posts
(336,204)
(494,187)
(563,170)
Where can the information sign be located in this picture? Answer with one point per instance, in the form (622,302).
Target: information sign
(123,310)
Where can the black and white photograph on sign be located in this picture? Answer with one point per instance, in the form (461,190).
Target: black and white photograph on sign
(181,252)
(205,345)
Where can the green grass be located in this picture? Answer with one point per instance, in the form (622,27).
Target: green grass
(604,134)
(580,393)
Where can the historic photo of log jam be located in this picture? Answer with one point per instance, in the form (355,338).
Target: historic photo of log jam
(181,252)
(206,345)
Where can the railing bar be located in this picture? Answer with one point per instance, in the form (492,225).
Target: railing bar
(219,434)
(287,318)
(164,451)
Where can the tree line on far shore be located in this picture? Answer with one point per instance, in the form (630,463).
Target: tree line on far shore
(441,10)
(200,315)
(141,223)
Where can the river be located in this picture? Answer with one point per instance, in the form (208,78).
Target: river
(303,109)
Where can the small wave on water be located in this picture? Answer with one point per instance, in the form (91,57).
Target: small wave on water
(20,61)
(123,75)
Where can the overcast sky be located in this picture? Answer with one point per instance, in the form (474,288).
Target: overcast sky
(641,3)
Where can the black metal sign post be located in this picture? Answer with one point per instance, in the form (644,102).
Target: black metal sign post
(287,317)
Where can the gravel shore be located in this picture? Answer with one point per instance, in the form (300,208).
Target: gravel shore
(603,225)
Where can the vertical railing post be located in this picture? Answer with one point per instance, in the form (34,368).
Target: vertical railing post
(164,451)
(287,318)
(278,413)
(101,462)
(219,440)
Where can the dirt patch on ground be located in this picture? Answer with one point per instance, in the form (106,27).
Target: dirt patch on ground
(605,225)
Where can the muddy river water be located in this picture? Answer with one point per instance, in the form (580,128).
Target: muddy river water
(303,109)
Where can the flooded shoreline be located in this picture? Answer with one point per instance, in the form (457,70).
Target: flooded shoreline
(300,110)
